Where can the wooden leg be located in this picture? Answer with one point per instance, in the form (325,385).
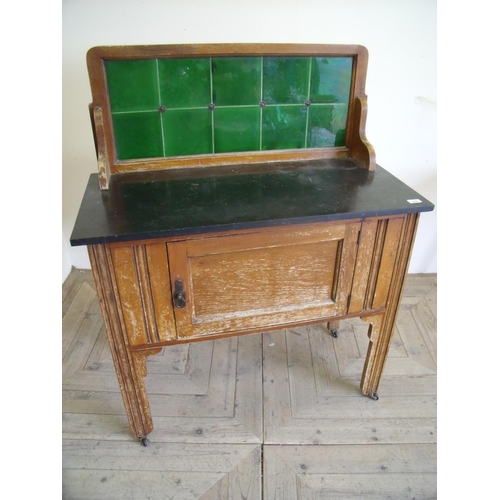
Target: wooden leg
(136,402)
(376,355)
(334,327)
(130,366)
(382,325)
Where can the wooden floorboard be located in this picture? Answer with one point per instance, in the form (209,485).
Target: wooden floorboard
(361,471)
(110,470)
(273,416)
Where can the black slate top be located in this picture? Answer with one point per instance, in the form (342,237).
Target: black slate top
(194,201)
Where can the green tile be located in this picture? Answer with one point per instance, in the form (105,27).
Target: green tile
(331,79)
(184,83)
(132,85)
(138,135)
(236,81)
(283,127)
(237,129)
(187,132)
(327,125)
(286,80)
(235,85)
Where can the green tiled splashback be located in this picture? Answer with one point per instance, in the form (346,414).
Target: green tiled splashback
(192,106)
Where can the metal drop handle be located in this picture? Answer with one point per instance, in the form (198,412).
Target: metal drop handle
(179,295)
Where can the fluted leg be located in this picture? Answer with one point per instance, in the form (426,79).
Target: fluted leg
(130,366)
(382,325)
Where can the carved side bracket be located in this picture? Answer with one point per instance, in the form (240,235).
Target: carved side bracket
(103,167)
(361,149)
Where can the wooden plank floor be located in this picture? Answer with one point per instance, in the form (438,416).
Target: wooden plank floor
(271,416)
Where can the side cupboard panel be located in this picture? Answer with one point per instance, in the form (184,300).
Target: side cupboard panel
(379,244)
(142,280)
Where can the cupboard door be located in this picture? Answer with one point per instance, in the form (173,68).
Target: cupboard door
(264,279)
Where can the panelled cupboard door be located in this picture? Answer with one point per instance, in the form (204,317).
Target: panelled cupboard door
(262,279)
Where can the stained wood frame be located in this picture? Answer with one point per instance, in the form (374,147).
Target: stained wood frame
(356,146)
(381,286)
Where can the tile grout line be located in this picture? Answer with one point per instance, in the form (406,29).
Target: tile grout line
(212,102)
(308,99)
(134,112)
(261,99)
(236,106)
(161,114)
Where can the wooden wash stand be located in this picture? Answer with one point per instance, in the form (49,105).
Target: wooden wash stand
(237,193)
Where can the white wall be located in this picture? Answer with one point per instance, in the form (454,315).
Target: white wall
(401,85)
